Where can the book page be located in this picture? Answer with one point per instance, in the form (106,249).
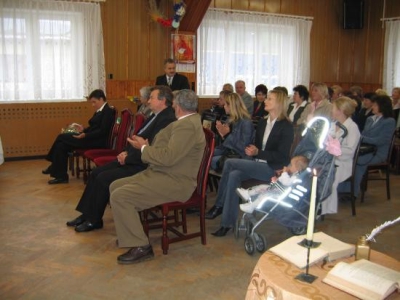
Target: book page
(296,254)
(336,248)
(363,279)
(373,268)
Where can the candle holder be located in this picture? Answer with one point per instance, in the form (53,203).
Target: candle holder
(307,277)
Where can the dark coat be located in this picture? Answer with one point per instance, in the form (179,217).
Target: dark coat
(258,110)
(179,82)
(162,120)
(277,149)
(298,112)
(362,118)
(379,134)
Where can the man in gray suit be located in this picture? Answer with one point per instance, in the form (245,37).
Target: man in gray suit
(240,88)
(174,159)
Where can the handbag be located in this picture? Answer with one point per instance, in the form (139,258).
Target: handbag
(228,153)
(366,148)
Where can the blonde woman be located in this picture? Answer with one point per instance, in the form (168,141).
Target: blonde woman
(342,110)
(236,131)
(320,105)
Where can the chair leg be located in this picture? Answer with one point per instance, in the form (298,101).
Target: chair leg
(84,169)
(353,198)
(144,214)
(71,163)
(203,224)
(388,183)
(78,171)
(184,222)
(363,185)
(353,205)
(165,240)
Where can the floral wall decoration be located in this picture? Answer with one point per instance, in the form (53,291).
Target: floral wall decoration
(157,16)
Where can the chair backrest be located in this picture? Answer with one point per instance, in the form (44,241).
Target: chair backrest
(114,129)
(388,158)
(202,175)
(138,122)
(124,126)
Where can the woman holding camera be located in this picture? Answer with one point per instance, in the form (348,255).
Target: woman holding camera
(236,131)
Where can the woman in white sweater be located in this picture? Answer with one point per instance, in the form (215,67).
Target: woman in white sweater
(342,110)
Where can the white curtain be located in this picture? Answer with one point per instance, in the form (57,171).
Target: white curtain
(50,50)
(391,67)
(257,48)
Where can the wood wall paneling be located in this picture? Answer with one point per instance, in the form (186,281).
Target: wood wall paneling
(135,48)
(28,129)
(195,11)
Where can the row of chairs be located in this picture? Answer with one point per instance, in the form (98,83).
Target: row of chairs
(126,124)
(177,223)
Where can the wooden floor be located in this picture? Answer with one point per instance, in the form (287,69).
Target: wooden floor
(41,258)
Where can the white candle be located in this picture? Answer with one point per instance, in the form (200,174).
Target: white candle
(311,214)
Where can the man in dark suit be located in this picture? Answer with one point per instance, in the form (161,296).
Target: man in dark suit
(94,136)
(172,79)
(96,194)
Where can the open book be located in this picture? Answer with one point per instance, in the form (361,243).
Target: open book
(364,279)
(330,249)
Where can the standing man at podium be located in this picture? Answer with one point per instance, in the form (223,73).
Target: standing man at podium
(172,79)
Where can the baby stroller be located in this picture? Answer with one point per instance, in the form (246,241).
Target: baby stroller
(289,205)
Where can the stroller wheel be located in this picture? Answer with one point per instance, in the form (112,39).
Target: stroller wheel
(261,243)
(249,245)
(249,227)
(298,230)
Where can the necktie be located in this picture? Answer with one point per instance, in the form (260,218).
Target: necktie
(147,123)
(169,80)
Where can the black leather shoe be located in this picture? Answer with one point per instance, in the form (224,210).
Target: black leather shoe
(136,255)
(221,232)
(77,221)
(214,212)
(58,180)
(47,171)
(89,226)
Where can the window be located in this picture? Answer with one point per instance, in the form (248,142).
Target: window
(50,50)
(391,67)
(257,48)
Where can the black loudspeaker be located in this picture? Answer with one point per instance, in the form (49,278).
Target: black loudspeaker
(353,14)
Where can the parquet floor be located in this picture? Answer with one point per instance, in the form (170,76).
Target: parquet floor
(41,258)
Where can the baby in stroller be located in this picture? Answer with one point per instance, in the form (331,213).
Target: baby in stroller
(255,195)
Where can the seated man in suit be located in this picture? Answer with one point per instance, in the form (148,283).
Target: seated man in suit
(240,88)
(94,136)
(172,79)
(96,194)
(174,159)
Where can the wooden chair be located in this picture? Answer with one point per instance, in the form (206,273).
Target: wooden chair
(384,166)
(351,180)
(197,200)
(117,143)
(138,121)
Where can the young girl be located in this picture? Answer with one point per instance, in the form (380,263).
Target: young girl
(256,194)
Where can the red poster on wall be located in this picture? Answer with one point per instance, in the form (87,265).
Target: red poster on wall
(183,48)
